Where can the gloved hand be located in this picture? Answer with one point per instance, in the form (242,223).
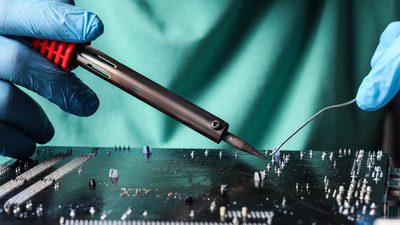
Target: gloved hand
(23,123)
(383,81)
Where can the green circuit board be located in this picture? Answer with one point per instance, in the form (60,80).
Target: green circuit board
(125,185)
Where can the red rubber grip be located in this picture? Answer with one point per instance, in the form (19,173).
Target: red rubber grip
(58,52)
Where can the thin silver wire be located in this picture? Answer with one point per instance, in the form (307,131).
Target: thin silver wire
(309,120)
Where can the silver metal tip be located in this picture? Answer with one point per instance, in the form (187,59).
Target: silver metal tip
(242,145)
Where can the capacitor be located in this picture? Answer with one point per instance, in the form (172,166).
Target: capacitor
(113,174)
(92,211)
(212,206)
(92,184)
(235,221)
(259,175)
(277,156)
(147,151)
(222,213)
(191,213)
(224,190)
(244,213)
(80,171)
(72,213)
(62,220)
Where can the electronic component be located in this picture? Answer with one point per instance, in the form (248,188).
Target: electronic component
(147,151)
(4,168)
(28,175)
(37,187)
(92,184)
(199,187)
(113,174)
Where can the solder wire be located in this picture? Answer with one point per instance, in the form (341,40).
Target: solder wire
(309,120)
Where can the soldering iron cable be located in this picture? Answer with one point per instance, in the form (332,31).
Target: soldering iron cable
(309,120)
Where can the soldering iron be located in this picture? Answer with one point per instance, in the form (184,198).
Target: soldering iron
(70,55)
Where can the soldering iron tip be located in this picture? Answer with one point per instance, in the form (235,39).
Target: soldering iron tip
(248,148)
(242,145)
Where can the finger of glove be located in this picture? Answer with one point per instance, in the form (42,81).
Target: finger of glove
(14,143)
(21,65)
(48,20)
(383,81)
(21,111)
(390,34)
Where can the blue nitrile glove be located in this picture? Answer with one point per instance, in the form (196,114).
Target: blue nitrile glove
(383,81)
(23,123)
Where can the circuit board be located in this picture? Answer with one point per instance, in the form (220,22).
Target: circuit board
(145,186)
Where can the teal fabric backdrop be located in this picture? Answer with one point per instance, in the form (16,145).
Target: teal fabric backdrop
(263,66)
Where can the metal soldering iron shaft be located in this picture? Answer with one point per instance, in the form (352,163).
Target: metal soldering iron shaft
(159,97)
(241,144)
